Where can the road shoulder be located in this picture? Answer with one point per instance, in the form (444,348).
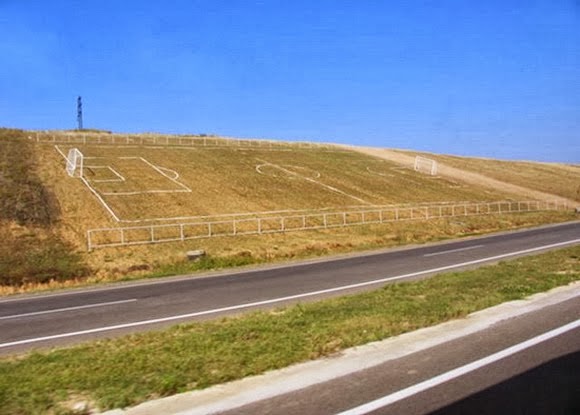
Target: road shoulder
(235,394)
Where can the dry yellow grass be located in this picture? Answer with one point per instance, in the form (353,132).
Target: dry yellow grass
(231,181)
(534,180)
(238,181)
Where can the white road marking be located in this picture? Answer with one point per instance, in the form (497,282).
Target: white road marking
(460,371)
(454,250)
(60,310)
(281,299)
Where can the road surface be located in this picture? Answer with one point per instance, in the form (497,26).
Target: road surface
(70,317)
(529,364)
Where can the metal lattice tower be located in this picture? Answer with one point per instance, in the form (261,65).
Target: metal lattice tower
(80,113)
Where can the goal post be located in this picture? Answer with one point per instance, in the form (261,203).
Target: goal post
(74,163)
(425,165)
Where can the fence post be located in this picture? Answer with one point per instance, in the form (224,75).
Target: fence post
(89,243)
(344,218)
(152,234)
(283,224)
(181,232)
(381,216)
(427,213)
(122,236)
(209,229)
(324,219)
(397,214)
(259,226)
(234,222)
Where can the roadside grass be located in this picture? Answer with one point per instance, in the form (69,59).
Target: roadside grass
(150,261)
(553,178)
(129,370)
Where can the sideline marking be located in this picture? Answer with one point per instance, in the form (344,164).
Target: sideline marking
(59,310)
(308,179)
(280,299)
(454,250)
(460,371)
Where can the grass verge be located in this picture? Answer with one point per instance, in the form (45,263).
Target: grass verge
(126,371)
(107,265)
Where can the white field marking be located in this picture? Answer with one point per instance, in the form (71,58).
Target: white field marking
(144,192)
(60,310)
(281,299)
(184,188)
(379,174)
(454,250)
(334,189)
(316,173)
(116,173)
(97,195)
(60,151)
(460,371)
(175,174)
(100,198)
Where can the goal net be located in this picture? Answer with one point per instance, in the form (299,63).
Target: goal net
(74,163)
(425,165)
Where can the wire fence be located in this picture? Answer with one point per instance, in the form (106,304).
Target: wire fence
(167,140)
(151,234)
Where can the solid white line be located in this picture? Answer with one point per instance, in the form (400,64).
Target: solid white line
(281,299)
(59,310)
(460,371)
(334,189)
(453,250)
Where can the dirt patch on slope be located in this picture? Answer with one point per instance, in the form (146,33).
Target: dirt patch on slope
(463,175)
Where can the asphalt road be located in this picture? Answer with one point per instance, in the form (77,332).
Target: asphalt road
(528,364)
(70,317)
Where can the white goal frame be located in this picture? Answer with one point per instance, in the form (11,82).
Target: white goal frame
(425,165)
(74,163)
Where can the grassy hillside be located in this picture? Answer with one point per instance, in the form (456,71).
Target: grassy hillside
(31,249)
(553,178)
(230,181)
(46,213)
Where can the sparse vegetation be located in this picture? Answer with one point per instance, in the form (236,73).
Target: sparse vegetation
(553,178)
(31,251)
(125,371)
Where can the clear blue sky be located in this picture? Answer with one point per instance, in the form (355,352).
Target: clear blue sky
(498,78)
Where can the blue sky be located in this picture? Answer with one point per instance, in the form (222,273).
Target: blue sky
(486,78)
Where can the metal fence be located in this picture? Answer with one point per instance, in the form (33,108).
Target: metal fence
(125,236)
(167,140)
